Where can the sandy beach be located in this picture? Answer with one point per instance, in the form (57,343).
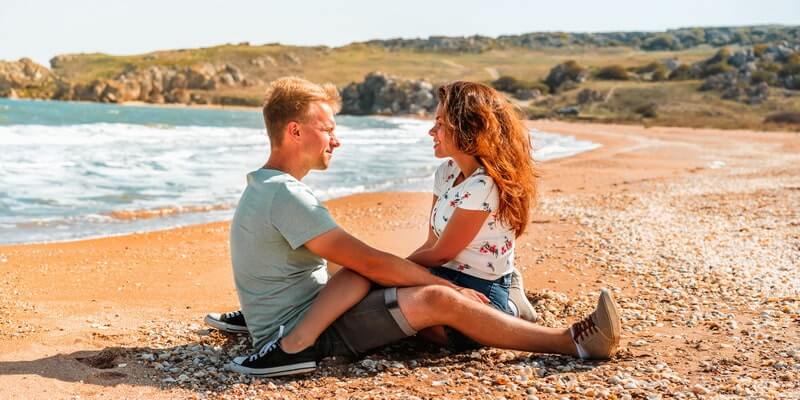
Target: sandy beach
(696,231)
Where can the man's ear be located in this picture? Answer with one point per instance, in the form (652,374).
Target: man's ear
(293,130)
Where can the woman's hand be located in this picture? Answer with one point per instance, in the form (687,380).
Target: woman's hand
(473,295)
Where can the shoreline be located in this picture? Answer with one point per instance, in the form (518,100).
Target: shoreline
(647,215)
(106,219)
(776,128)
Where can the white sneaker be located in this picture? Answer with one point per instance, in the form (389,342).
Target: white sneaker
(517,300)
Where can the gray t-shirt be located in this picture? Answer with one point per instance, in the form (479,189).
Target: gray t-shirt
(276,277)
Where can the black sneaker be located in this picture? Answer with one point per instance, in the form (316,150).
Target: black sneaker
(272,361)
(232,322)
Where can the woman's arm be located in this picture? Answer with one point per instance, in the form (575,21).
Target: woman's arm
(462,227)
(431,235)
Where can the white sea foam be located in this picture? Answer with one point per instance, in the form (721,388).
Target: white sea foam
(64,181)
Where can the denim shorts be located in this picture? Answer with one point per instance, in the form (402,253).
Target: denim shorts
(496,291)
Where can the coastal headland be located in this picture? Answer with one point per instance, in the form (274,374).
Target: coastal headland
(745,77)
(695,230)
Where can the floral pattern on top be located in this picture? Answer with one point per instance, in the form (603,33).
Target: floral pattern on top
(459,198)
(490,254)
(507,244)
(489,248)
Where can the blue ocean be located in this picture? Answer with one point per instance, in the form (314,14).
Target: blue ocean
(77,170)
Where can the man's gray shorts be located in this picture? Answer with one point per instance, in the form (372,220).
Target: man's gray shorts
(374,322)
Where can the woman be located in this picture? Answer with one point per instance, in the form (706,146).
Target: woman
(482,198)
(482,194)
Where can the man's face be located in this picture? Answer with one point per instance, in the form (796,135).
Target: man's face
(319,138)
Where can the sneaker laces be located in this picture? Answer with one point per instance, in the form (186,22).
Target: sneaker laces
(271,345)
(232,314)
(583,328)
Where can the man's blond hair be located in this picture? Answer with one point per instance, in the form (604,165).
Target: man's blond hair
(288,99)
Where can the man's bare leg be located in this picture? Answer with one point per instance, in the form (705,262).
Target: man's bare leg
(430,306)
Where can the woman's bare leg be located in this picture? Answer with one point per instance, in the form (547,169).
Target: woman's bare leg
(344,290)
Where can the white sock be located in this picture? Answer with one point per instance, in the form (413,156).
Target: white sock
(513,307)
(582,353)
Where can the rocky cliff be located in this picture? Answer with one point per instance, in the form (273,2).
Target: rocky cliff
(159,84)
(383,94)
(25,78)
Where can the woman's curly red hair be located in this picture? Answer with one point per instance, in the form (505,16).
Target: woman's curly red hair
(486,125)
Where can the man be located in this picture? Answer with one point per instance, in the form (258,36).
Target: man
(282,235)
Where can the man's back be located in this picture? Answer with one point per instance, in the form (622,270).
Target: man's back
(276,277)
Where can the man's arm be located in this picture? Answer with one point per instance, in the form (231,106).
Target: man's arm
(383,268)
(380,267)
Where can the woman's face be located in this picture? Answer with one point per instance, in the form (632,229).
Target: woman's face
(443,145)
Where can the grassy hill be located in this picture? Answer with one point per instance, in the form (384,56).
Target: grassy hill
(249,69)
(350,63)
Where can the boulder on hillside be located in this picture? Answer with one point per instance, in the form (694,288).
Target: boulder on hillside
(672,64)
(383,94)
(587,96)
(565,76)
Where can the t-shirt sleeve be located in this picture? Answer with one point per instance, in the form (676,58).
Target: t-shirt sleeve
(479,193)
(299,216)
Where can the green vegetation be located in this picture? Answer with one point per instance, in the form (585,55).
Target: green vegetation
(682,73)
(789,117)
(657,71)
(565,76)
(512,85)
(660,42)
(677,103)
(648,110)
(612,73)
(714,69)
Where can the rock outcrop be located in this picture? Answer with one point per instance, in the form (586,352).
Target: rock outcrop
(159,84)
(25,78)
(587,96)
(747,75)
(383,94)
(565,76)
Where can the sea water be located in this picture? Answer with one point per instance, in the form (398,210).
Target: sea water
(75,170)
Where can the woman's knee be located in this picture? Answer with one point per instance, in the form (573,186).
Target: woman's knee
(438,297)
(424,306)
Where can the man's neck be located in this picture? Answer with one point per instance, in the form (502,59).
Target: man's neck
(285,163)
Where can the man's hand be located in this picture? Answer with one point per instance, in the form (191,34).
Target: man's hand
(473,295)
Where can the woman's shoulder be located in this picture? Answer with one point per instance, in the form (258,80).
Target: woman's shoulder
(481,179)
(446,171)
(447,165)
